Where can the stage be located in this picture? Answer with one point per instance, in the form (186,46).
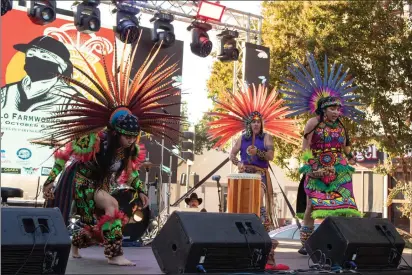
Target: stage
(93,262)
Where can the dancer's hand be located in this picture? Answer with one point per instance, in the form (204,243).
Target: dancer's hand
(352,161)
(252,150)
(144,198)
(48,192)
(241,167)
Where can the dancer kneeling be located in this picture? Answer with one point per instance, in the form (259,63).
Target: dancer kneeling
(100,137)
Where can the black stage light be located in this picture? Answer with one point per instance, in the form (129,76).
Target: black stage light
(42,12)
(127,24)
(228,49)
(163,30)
(201,45)
(6,5)
(87,16)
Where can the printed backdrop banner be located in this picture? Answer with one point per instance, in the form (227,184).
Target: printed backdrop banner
(256,64)
(31,57)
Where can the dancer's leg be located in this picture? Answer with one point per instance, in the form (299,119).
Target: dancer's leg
(308,227)
(111,225)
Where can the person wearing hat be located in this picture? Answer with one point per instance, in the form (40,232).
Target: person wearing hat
(41,89)
(100,136)
(193,201)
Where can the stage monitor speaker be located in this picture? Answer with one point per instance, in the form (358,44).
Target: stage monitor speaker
(33,241)
(192,242)
(358,240)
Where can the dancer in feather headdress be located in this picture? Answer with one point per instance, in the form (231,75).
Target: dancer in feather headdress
(258,115)
(101,138)
(326,186)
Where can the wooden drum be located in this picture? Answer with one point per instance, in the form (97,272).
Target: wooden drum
(244,192)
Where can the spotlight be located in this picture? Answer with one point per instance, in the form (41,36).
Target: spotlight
(42,12)
(162,29)
(228,50)
(87,16)
(6,5)
(127,25)
(201,45)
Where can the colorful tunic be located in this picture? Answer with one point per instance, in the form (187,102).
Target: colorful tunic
(82,178)
(331,195)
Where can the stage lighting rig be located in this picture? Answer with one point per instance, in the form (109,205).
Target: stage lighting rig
(42,12)
(127,24)
(6,5)
(201,45)
(87,16)
(162,29)
(228,49)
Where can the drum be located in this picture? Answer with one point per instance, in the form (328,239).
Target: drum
(244,193)
(139,217)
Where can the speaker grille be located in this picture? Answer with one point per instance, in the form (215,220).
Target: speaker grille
(231,259)
(13,258)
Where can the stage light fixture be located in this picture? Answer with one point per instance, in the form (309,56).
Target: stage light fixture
(201,45)
(228,50)
(42,12)
(127,24)
(87,16)
(6,5)
(163,30)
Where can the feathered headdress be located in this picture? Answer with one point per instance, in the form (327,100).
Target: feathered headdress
(242,108)
(310,88)
(117,95)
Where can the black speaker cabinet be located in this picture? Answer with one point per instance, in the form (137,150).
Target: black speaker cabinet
(357,240)
(192,242)
(33,241)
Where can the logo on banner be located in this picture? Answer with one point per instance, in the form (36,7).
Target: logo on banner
(45,171)
(3,154)
(23,154)
(30,170)
(11,170)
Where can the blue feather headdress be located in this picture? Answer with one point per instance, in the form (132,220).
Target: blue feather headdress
(308,88)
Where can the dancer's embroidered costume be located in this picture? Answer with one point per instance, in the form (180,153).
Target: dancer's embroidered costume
(239,111)
(120,104)
(332,194)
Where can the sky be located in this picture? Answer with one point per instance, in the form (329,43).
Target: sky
(196,70)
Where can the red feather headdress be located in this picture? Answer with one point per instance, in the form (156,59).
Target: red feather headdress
(115,93)
(242,107)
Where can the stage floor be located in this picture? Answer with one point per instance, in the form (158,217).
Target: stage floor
(93,261)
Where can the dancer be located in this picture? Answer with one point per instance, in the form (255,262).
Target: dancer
(101,138)
(326,186)
(258,111)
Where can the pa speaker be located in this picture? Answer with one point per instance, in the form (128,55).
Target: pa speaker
(191,242)
(33,241)
(368,243)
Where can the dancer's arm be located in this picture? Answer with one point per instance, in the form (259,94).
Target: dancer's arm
(310,166)
(269,153)
(233,153)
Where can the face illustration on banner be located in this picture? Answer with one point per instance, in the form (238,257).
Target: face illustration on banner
(35,61)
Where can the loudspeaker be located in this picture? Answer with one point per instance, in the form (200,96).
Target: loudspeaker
(361,241)
(33,241)
(191,242)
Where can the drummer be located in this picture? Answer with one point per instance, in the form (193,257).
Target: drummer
(255,145)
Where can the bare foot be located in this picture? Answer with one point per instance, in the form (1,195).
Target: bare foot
(120,260)
(75,252)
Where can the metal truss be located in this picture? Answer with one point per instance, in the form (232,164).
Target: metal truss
(248,25)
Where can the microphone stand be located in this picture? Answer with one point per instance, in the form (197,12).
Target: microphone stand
(219,190)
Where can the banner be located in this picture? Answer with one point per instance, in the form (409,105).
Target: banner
(32,55)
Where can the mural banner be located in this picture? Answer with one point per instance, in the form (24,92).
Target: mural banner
(32,55)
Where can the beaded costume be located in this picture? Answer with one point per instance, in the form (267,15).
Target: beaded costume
(89,128)
(332,193)
(241,110)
